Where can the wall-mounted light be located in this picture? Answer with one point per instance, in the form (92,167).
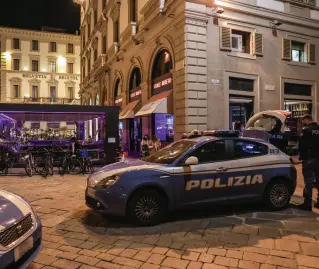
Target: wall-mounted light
(218,10)
(44,70)
(7,56)
(275,23)
(61,61)
(25,68)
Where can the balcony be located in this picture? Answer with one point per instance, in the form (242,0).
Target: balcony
(100,64)
(45,100)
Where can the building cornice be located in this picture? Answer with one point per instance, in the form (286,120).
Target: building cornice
(40,34)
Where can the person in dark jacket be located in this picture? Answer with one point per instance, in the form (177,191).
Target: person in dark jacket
(309,154)
(278,138)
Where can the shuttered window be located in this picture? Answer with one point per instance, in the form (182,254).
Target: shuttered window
(312,54)
(298,51)
(225,39)
(258,44)
(286,49)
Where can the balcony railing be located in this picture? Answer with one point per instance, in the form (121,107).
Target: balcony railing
(100,63)
(45,100)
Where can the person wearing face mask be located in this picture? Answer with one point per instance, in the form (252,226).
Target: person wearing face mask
(145,146)
(309,155)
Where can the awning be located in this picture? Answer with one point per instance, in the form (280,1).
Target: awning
(128,111)
(158,104)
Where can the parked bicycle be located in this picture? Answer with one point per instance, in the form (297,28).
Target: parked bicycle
(70,164)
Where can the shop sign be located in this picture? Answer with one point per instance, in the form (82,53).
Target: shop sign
(163,83)
(136,95)
(68,77)
(215,82)
(33,76)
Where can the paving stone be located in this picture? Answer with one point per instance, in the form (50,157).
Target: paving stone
(139,246)
(263,242)
(310,249)
(127,261)
(36,266)
(149,266)
(234,254)
(308,261)
(108,265)
(217,251)
(195,265)
(283,254)
(176,245)
(267,266)
(88,245)
(213,266)
(264,223)
(269,232)
(255,257)
(63,264)
(259,250)
(48,267)
(70,249)
(248,264)
(207,258)
(85,266)
(51,252)
(282,262)
(87,260)
(67,255)
(72,242)
(175,263)
(245,229)
(75,235)
(175,253)
(199,250)
(115,251)
(106,257)
(235,238)
(90,253)
(123,243)
(128,253)
(230,262)
(156,258)
(160,250)
(192,256)
(288,245)
(142,256)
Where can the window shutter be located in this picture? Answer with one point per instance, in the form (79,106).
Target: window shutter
(311,53)
(258,44)
(225,38)
(286,49)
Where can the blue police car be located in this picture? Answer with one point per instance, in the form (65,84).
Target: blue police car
(20,232)
(193,172)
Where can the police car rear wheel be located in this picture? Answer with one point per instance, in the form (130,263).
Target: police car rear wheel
(147,208)
(277,195)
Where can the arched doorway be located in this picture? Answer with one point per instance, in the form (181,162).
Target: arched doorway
(162,86)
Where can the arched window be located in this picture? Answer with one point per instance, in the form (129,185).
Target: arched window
(134,85)
(118,93)
(162,65)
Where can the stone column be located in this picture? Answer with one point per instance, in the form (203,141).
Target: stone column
(146,121)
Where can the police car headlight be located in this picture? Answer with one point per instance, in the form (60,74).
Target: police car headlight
(105,182)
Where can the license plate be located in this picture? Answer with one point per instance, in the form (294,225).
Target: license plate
(23,248)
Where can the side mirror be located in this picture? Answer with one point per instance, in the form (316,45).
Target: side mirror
(192,161)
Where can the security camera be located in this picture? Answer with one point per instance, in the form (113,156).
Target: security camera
(276,23)
(218,10)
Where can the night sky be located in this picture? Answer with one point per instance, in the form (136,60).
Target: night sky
(33,14)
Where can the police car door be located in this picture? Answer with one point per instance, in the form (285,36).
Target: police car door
(207,181)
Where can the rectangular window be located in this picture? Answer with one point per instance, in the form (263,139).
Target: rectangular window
(16,64)
(16,43)
(70,48)
(241,41)
(89,27)
(35,45)
(298,89)
(70,68)
(52,93)
(241,84)
(95,55)
(52,67)
(89,63)
(16,91)
(298,52)
(133,11)
(35,92)
(35,65)
(104,45)
(95,16)
(103,4)
(71,93)
(116,32)
(52,46)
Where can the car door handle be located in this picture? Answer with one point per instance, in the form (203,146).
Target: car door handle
(221,169)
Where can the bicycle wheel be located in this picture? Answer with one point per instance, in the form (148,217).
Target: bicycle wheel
(63,167)
(75,167)
(51,166)
(28,168)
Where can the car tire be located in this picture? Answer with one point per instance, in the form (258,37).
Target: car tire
(277,195)
(146,208)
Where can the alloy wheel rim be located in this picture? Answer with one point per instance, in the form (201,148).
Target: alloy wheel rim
(279,195)
(147,208)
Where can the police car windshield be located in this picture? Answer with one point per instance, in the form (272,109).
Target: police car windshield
(171,153)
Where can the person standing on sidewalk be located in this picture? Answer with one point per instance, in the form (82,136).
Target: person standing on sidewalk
(309,155)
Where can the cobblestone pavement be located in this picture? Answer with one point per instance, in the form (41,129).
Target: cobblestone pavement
(241,237)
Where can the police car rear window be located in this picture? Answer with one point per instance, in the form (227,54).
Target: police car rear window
(246,149)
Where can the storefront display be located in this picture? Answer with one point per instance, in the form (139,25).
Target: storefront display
(163,126)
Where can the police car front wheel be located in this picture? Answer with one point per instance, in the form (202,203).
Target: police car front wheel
(146,208)
(277,195)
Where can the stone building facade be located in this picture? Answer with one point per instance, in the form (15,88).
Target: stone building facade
(174,66)
(39,67)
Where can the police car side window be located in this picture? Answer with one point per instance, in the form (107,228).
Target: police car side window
(211,152)
(246,149)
